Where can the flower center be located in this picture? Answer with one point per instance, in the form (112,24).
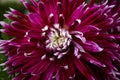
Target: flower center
(58,39)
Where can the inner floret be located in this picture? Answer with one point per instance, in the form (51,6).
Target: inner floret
(58,39)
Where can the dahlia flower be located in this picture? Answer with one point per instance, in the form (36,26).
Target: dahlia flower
(63,40)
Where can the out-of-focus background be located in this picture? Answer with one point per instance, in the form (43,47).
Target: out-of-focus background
(4,7)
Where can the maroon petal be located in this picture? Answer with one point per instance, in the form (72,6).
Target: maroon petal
(49,72)
(81,67)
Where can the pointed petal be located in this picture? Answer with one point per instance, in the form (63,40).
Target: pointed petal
(92,46)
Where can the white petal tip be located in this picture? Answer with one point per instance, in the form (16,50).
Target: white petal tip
(101,49)
(65,67)
(2,30)
(5,69)
(61,15)
(11,9)
(6,15)
(51,59)
(51,15)
(78,20)
(59,3)
(3,64)
(43,57)
(2,23)
(56,26)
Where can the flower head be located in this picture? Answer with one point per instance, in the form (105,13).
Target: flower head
(64,40)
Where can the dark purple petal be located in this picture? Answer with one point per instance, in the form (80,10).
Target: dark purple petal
(81,67)
(36,21)
(49,72)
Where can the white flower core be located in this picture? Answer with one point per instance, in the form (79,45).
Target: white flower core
(58,39)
